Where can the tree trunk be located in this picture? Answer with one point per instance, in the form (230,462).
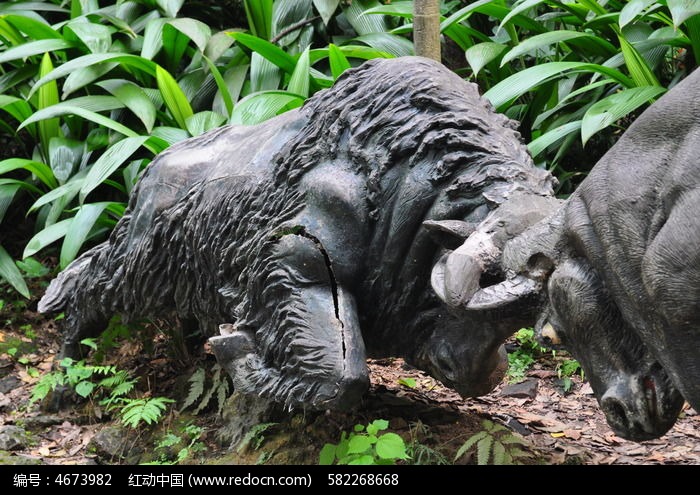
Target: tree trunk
(426,28)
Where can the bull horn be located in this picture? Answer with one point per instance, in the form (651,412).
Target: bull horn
(466,264)
(449,234)
(502,294)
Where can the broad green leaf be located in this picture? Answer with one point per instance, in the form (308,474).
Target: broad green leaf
(267,50)
(201,122)
(175,99)
(68,109)
(682,10)
(171,135)
(40,6)
(327,455)
(42,171)
(326,9)
(16,107)
(134,98)
(391,446)
(363,460)
(195,30)
(48,96)
(480,55)
(528,79)
(134,61)
(400,9)
(338,62)
(463,13)
(217,45)
(389,43)
(64,157)
(152,38)
(264,75)
(233,80)
(170,7)
(365,24)
(46,236)
(639,70)
(359,444)
(546,39)
(632,9)
(259,14)
(286,13)
(10,272)
(612,108)
(262,106)
(299,82)
(10,33)
(8,189)
(96,37)
(540,144)
(519,8)
(85,388)
(17,76)
(33,28)
(32,48)
(61,194)
(109,162)
(78,229)
(84,76)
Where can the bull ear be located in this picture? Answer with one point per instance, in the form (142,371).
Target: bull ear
(449,234)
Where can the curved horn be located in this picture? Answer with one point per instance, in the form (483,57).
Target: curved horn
(464,267)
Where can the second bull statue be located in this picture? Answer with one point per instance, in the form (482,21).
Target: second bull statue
(615,272)
(302,237)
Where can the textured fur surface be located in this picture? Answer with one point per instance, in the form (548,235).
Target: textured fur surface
(310,222)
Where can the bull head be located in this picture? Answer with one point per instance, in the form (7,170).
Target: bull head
(487,304)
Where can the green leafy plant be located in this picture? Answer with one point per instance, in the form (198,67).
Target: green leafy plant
(495,443)
(520,360)
(254,438)
(566,369)
(417,449)
(106,386)
(365,446)
(205,387)
(186,444)
(149,410)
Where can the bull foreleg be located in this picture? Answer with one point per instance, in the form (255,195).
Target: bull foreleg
(308,349)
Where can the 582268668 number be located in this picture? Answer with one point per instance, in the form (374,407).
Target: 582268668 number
(356,479)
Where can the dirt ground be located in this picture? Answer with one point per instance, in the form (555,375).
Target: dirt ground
(556,427)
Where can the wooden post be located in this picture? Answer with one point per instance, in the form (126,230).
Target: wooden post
(426,28)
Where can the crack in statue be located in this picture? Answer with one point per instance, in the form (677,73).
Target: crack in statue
(300,240)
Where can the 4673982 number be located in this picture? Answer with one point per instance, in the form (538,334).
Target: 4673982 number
(355,479)
(83,479)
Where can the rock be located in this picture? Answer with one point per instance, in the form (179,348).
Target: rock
(9,383)
(524,390)
(12,437)
(43,421)
(7,459)
(112,444)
